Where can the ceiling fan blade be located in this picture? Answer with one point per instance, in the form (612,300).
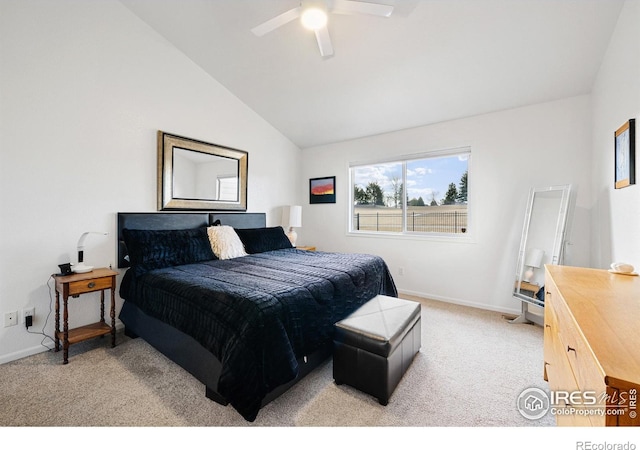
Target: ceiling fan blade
(349,7)
(324,42)
(277,21)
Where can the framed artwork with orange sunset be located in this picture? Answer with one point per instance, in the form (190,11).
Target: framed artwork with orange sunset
(322,190)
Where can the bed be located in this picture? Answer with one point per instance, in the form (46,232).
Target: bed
(247,325)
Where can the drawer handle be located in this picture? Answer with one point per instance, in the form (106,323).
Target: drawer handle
(571,349)
(92,284)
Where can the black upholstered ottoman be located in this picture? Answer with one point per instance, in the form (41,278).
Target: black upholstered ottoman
(375,345)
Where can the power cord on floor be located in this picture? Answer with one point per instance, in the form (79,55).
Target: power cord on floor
(46,336)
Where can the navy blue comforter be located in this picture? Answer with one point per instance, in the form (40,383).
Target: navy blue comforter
(258,313)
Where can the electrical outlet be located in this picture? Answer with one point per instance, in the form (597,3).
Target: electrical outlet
(11,318)
(28,312)
(401,271)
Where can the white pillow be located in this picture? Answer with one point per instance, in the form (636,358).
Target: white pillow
(225,242)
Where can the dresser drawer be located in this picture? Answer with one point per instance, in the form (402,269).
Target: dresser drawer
(586,368)
(561,380)
(551,345)
(586,371)
(95,284)
(559,371)
(569,365)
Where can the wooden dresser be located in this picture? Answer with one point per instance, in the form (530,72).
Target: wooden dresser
(592,346)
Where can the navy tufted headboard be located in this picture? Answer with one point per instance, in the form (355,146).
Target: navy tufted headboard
(180,221)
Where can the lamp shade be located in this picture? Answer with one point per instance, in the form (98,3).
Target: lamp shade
(534,258)
(292,216)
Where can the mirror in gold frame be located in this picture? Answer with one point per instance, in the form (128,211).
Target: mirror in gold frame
(198,175)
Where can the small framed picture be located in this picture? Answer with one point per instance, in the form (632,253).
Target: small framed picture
(625,156)
(322,190)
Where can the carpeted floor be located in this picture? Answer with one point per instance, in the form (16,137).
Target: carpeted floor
(472,366)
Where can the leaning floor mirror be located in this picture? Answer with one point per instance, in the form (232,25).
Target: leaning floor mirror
(543,242)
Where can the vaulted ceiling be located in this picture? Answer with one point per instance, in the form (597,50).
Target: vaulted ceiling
(430,61)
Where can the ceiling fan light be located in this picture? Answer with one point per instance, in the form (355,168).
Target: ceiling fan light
(313,18)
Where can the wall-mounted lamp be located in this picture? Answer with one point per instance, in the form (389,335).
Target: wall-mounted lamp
(292,218)
(81,267)
(533,260)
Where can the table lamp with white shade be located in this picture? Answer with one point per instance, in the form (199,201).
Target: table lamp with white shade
(533,260)
(292,218)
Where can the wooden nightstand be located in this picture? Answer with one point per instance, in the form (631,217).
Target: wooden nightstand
(74,285)
(307,248)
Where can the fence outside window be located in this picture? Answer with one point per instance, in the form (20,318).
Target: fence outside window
(417,221)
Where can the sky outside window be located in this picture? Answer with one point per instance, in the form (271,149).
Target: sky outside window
(427,178)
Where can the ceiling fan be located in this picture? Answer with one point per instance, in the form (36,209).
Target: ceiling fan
(314,15)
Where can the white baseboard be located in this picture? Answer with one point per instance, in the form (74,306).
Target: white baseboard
(515,311)
(40,348)
(26,352)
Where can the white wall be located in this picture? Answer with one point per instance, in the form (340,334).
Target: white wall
(538,145)
(616,99)
(84,87)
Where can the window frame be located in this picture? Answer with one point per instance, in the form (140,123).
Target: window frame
(468,236)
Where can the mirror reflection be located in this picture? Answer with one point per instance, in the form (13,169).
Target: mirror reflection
(201,176)
(542,242)
(197,175)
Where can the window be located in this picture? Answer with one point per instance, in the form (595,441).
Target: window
(426,193)
(227,188)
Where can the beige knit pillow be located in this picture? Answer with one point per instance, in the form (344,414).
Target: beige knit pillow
(225,242)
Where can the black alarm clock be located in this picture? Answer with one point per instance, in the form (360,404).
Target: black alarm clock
(65,269)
